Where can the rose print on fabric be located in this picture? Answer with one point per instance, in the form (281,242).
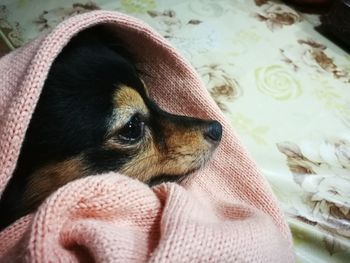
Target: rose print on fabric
(313,56)
(221,85)
(241,49)
(277,82)
(322,170)
(166,22)
(334,100)
(277,15)
(250,127)
(137,6)
(10,30)
(50,18)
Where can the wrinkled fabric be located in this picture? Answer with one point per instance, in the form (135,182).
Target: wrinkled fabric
(223,213)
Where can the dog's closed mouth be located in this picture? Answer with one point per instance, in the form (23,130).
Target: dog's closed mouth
(73,135)
(166,178)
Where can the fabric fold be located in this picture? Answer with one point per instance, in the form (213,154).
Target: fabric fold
(225,212)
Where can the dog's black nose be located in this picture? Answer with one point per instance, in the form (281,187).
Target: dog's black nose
(213,132)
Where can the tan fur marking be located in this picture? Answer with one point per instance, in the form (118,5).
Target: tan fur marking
(49,178)
(187,150)
(127,102)
(126,97)
(145,165)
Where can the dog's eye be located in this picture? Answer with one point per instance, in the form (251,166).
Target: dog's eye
(133,130)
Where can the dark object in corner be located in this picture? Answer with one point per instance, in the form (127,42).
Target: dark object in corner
(336,24)
(311,6)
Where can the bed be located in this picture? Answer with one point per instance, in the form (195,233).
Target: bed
(283,86)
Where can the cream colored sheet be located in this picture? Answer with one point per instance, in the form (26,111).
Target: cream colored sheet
(284,87)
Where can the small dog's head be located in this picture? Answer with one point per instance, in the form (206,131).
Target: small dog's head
(153,143)
(94,116)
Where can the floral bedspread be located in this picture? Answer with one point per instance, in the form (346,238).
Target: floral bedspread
(284,88)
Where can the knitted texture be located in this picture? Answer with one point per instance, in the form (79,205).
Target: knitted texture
(224,213)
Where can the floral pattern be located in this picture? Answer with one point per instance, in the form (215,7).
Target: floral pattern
(134,6)
(322,170)
(282,86)
(167,22)
(277,83)
(11,30)
(49,18)
(311,54)
(220,84)
(333,100)
(277,15)
(247,126)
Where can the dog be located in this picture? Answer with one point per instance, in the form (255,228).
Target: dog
(94,115)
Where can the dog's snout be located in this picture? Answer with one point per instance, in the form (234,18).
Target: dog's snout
(213,131)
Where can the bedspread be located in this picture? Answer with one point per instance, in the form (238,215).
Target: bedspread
(283,87)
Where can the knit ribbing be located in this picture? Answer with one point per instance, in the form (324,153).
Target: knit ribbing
(225,212)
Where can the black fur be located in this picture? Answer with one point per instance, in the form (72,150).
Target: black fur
(73,111)
(73,116)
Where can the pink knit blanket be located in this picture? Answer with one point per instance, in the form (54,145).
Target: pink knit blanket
(224,213)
